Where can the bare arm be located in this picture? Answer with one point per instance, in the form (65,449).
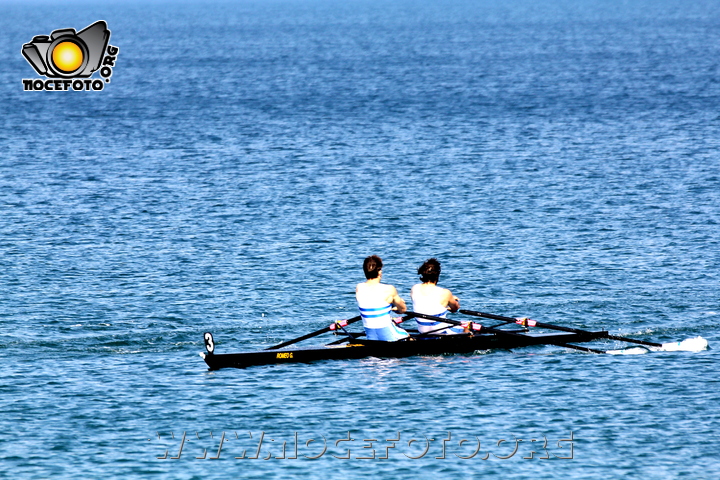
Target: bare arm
(453,302)
(397,301)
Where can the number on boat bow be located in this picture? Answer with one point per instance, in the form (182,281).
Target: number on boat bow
(209,343)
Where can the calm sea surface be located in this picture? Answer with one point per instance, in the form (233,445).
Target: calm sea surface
(561,158)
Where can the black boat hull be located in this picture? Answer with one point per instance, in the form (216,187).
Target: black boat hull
(455,344)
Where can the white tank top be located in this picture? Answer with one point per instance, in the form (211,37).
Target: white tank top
(429,301)
(373,305)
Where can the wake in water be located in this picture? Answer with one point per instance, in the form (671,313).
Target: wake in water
(695,344)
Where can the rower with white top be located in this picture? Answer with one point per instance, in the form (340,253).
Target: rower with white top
(376,301)
(430,299)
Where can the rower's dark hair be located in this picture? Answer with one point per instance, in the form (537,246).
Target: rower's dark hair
(372,266)
(430,270)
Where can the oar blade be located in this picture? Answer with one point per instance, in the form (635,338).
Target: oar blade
(695,344)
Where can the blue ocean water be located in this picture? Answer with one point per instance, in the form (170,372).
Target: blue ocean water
(560,158)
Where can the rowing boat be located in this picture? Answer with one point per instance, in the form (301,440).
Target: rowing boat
(477,338)
(415,345)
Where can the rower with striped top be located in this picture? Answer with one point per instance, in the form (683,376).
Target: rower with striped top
(376,301)
(430,299)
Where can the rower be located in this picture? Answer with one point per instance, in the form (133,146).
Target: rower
(430,299)
(376,300)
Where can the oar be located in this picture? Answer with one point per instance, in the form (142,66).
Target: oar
(497,331)
(447,321)
(408,316)
(453,322)
(313,334)
(532,323)
(352,335)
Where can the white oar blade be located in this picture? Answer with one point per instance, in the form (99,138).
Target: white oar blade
(696,344)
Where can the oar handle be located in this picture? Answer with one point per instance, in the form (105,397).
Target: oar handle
(353,335)
(549,326)
(410,314)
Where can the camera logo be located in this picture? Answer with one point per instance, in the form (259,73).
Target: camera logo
(67,56)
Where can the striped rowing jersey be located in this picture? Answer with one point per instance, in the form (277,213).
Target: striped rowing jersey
(428,299)
(376,313)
